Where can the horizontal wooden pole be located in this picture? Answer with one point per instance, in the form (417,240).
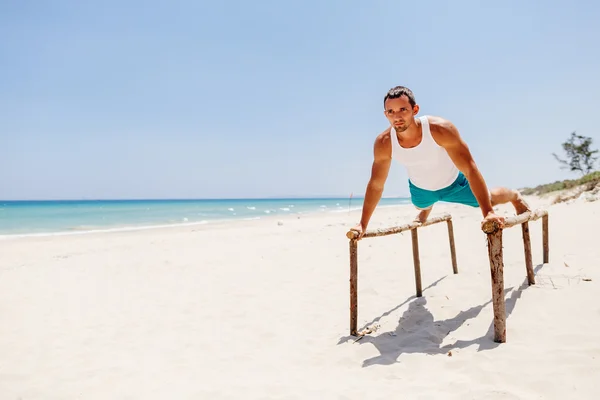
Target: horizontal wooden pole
(492,226)
(397,229)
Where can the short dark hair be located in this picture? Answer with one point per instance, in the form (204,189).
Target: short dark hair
(399,91)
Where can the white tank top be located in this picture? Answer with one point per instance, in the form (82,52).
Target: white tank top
(428,165)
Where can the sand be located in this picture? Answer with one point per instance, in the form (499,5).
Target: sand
(260,310)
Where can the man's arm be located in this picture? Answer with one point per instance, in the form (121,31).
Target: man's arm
(447,136)
(379,173)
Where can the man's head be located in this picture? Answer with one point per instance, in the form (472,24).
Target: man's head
(400,107)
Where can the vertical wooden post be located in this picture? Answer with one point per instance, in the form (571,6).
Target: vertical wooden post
(452,248)
(528,258)
(353,286)
(497,272)
(417,261)
(545,237)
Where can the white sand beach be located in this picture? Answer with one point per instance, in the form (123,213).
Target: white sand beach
(260,310)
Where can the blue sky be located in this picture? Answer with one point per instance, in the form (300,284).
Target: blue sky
(195,99)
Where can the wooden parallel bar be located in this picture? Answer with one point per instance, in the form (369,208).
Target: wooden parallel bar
(397,229)
(494,240)
(353,236)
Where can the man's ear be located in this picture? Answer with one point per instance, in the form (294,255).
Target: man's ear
(416,109)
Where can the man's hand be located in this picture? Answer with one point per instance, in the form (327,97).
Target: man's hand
(360,230)
(493,217)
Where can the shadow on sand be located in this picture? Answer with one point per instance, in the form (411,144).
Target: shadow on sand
(419,332)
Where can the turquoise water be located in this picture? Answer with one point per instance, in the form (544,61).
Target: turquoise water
(49,217)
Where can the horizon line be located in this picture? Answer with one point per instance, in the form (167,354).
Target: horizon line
(325,197)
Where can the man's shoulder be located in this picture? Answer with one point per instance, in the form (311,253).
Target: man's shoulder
(442,130)
(383,145)
(383,137)
(439,124)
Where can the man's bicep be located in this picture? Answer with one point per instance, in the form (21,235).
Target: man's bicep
(381,164)
(461,155)
(462,158)
(457,148)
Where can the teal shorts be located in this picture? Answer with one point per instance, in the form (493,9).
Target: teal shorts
(458,192)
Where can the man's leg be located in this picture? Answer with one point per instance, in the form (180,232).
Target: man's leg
(423,200)
(502,195)
(460,192)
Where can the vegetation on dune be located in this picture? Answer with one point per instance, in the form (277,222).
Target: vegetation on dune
(580,157)
(591,179)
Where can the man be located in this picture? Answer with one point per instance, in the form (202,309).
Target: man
(438,162)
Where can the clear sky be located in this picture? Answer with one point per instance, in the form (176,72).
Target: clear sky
(221,99)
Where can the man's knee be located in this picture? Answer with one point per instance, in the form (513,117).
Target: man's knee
(423,208)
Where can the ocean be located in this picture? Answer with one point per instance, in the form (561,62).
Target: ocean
(80,216)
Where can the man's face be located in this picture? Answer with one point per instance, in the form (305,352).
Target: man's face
(400,113)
